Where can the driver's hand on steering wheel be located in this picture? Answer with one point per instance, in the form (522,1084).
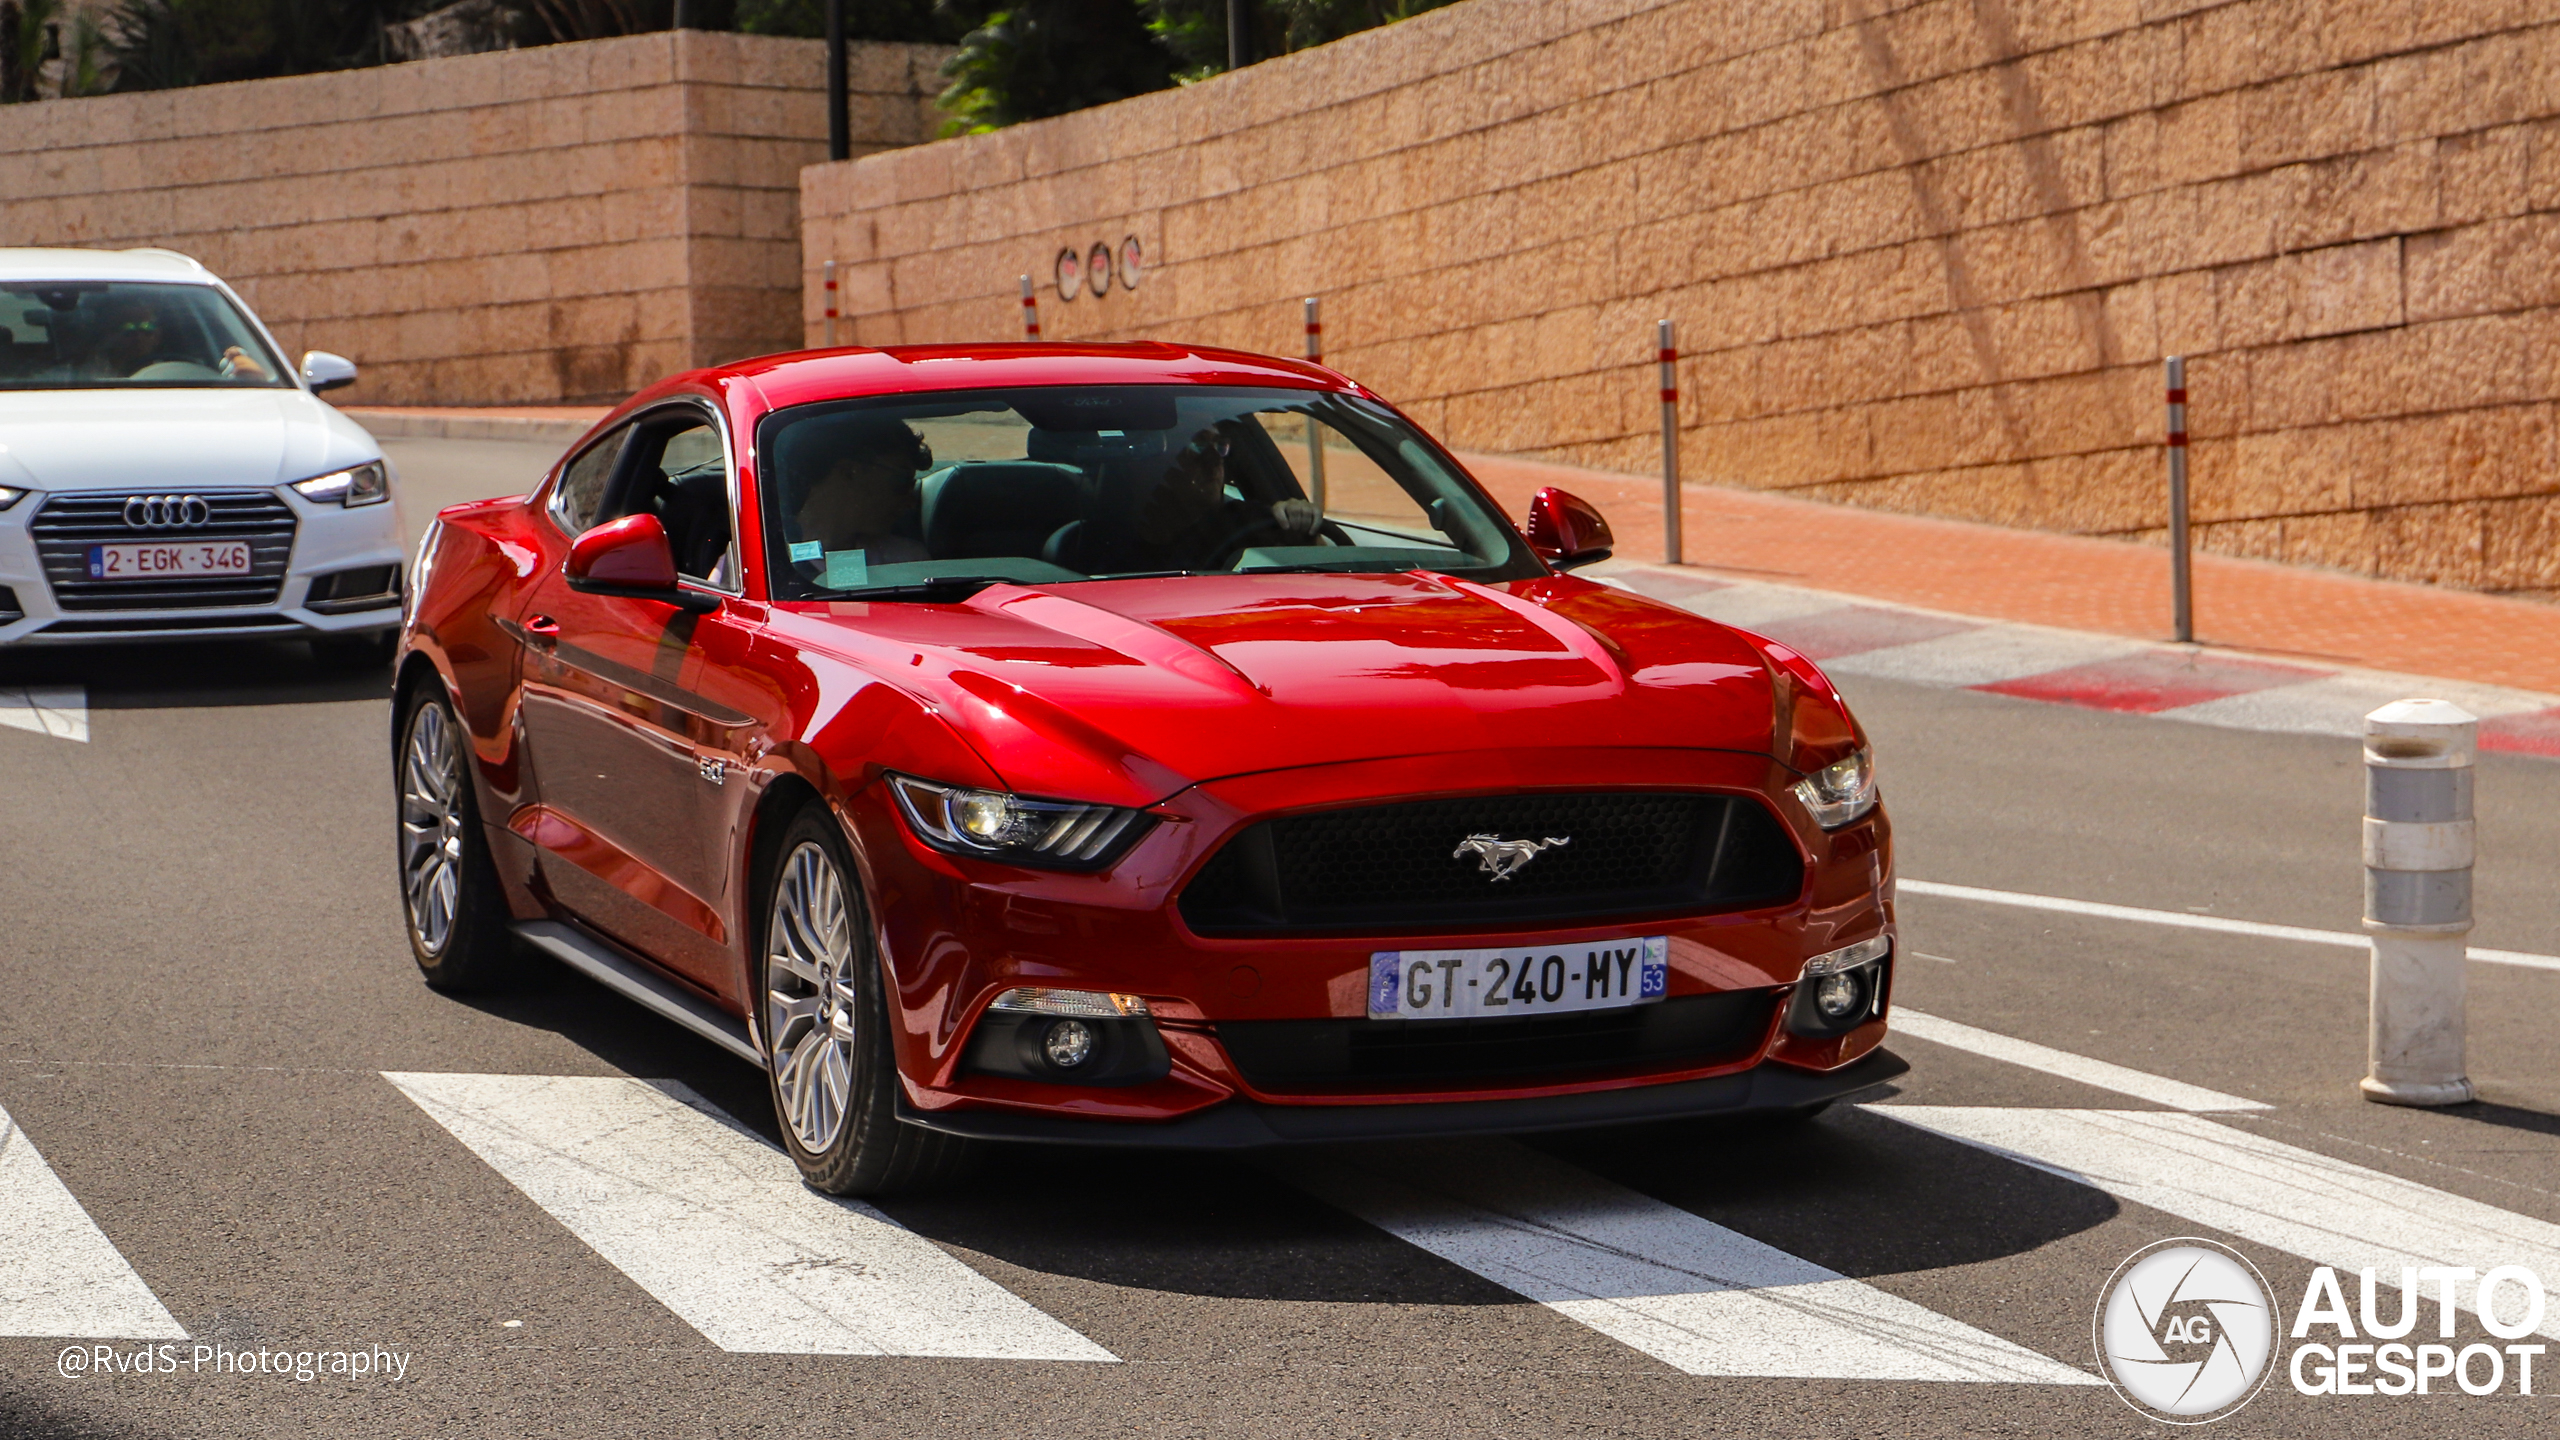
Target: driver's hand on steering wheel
(1298,517)
(236,365)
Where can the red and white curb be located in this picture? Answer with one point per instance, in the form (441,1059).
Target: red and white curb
(1852,636)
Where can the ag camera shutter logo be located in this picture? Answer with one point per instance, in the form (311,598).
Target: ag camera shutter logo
(2185,1329)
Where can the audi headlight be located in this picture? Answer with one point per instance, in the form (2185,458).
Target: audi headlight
(996,825)
(360,485)
(1840,792)
(9,497)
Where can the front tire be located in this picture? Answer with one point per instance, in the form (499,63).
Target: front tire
(826,1026)
(457,917)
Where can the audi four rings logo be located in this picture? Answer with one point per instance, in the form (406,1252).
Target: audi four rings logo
(166,512)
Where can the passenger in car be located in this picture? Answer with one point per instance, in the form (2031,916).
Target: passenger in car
(866,498)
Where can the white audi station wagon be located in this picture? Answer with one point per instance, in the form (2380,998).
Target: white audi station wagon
(165,475)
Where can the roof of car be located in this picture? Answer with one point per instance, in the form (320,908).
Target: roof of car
(19,265)
(807,375)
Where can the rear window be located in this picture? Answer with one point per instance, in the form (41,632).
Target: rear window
(102,334)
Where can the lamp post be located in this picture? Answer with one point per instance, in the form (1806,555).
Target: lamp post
(839,108)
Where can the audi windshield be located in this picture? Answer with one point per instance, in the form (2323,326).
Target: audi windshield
(114,334)
(927,494)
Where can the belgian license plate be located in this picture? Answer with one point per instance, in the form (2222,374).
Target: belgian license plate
(160,562)
(1517,979)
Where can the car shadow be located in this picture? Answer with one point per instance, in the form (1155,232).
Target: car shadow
(188,675)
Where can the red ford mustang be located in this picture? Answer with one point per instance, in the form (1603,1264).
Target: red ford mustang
(1126,744)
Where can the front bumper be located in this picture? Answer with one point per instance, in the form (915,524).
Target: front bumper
(1767,1089)
(327,541)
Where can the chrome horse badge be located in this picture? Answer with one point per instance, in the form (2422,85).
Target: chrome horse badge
(1502,858)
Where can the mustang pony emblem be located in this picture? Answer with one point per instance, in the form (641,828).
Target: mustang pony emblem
(1502,858)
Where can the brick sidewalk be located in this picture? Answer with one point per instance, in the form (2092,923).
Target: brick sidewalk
(2106,586)
(2103,586)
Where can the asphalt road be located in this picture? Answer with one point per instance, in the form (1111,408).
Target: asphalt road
(203,985)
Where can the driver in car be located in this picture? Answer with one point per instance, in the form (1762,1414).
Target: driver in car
(1190,514)
(865,496)
(133,330)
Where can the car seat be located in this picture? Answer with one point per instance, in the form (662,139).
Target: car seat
(980,509)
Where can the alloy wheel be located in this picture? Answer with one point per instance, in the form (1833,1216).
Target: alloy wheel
(811,999)
(431,821)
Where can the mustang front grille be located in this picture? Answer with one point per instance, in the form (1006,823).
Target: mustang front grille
(1282,1057)
(1408,866)
(69,524)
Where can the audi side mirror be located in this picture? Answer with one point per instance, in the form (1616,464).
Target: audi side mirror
(324,371)
(630,557)
(1566,531)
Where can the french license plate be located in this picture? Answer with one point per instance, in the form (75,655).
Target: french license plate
(160,562)
(1517,980)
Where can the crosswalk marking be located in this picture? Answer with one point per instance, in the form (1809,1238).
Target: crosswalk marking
(2282,1196)
(1691,1293)
(2158,1089)
(60,1277)
(61,711)
(715,1223)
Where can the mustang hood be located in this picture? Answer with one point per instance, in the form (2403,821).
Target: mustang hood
(173,439)
(1128,691)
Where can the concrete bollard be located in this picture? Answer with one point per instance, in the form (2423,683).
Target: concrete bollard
(2417,898)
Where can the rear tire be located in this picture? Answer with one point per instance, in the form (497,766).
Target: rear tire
(456,915)
(825,1023)
(370,650)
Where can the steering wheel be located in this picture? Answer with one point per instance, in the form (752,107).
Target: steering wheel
(1231,549)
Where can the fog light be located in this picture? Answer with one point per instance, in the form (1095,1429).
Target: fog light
(1068,1044)
(1839,996)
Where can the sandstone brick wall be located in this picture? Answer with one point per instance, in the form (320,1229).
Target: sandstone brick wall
(562,223)
(1924,254)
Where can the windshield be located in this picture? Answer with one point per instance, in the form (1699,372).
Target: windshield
(96,334)
(933,494)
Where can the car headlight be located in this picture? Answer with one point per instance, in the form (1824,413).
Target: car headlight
(1841,791)
(358,485)
(9,497)
(997,825)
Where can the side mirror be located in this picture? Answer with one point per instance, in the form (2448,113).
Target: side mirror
(324,371)
(1566,531)
(630,557)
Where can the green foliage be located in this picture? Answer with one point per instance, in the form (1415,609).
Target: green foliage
(863,20)
(1195,31)
(1028,59)
(158,44)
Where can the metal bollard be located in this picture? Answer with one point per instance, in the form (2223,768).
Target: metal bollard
(2417,898)
(1030,311)
(831,304)
(1667,356)
(1315,432)
(2182,583)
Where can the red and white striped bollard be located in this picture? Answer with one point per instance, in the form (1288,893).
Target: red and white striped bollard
(1315,434)
(1669,359)
(1030,311)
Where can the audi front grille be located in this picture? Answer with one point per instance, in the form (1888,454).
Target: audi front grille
(1386,868)
(69,524)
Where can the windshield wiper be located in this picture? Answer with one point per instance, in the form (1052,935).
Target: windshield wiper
(940,587)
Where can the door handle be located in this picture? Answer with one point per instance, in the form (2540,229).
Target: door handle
(541,631)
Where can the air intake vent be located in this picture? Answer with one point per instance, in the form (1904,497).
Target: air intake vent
(69,524)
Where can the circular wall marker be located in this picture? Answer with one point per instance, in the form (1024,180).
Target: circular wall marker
(1097,269)
(1130,256)
(1070,274)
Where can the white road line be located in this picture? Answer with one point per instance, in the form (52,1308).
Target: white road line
(715,1223)
(61,711)
(2142,1085)
(2216,923)
(1689,1292)
(2299,1201)
(60,1277)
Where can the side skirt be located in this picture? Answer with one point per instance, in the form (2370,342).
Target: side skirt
(616,969)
